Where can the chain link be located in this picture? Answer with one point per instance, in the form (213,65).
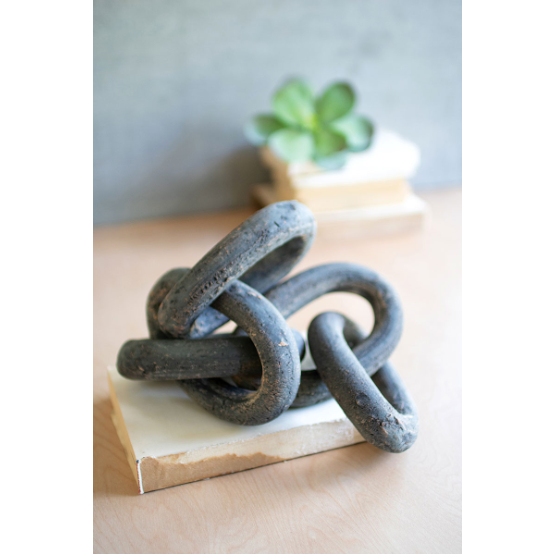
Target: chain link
(252,376)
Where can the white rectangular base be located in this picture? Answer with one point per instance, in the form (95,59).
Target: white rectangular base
(169,440)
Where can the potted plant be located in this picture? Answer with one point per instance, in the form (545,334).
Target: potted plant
(304,127)
(320,152)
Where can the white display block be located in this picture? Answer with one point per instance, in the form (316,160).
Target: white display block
(170,440)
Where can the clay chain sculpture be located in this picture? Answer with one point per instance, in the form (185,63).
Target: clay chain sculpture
(252,376)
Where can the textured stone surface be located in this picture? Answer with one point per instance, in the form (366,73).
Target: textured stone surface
(260,251)
(379,407)
(222,355)
(223,376)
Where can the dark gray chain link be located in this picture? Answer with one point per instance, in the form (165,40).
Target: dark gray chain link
(253,375)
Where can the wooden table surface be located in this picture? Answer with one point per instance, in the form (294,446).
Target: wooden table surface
(355,499)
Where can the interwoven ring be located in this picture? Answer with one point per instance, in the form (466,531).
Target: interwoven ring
(186,305)
(278,354)
(373,351)
(379,407)
(260,251)
(276,350)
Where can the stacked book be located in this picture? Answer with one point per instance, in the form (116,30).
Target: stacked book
(371,191)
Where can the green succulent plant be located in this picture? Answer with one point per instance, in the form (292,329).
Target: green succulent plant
(303,127)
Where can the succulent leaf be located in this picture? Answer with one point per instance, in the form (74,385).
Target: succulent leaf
(328,142)
(357,130)
(259,129)
(337,101)
(292,145)
(293,104)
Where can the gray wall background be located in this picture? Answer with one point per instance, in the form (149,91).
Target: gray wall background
(176,80)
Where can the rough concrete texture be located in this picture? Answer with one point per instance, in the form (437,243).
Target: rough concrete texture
(252,379)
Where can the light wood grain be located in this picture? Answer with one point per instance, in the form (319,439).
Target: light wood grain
(356,499)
